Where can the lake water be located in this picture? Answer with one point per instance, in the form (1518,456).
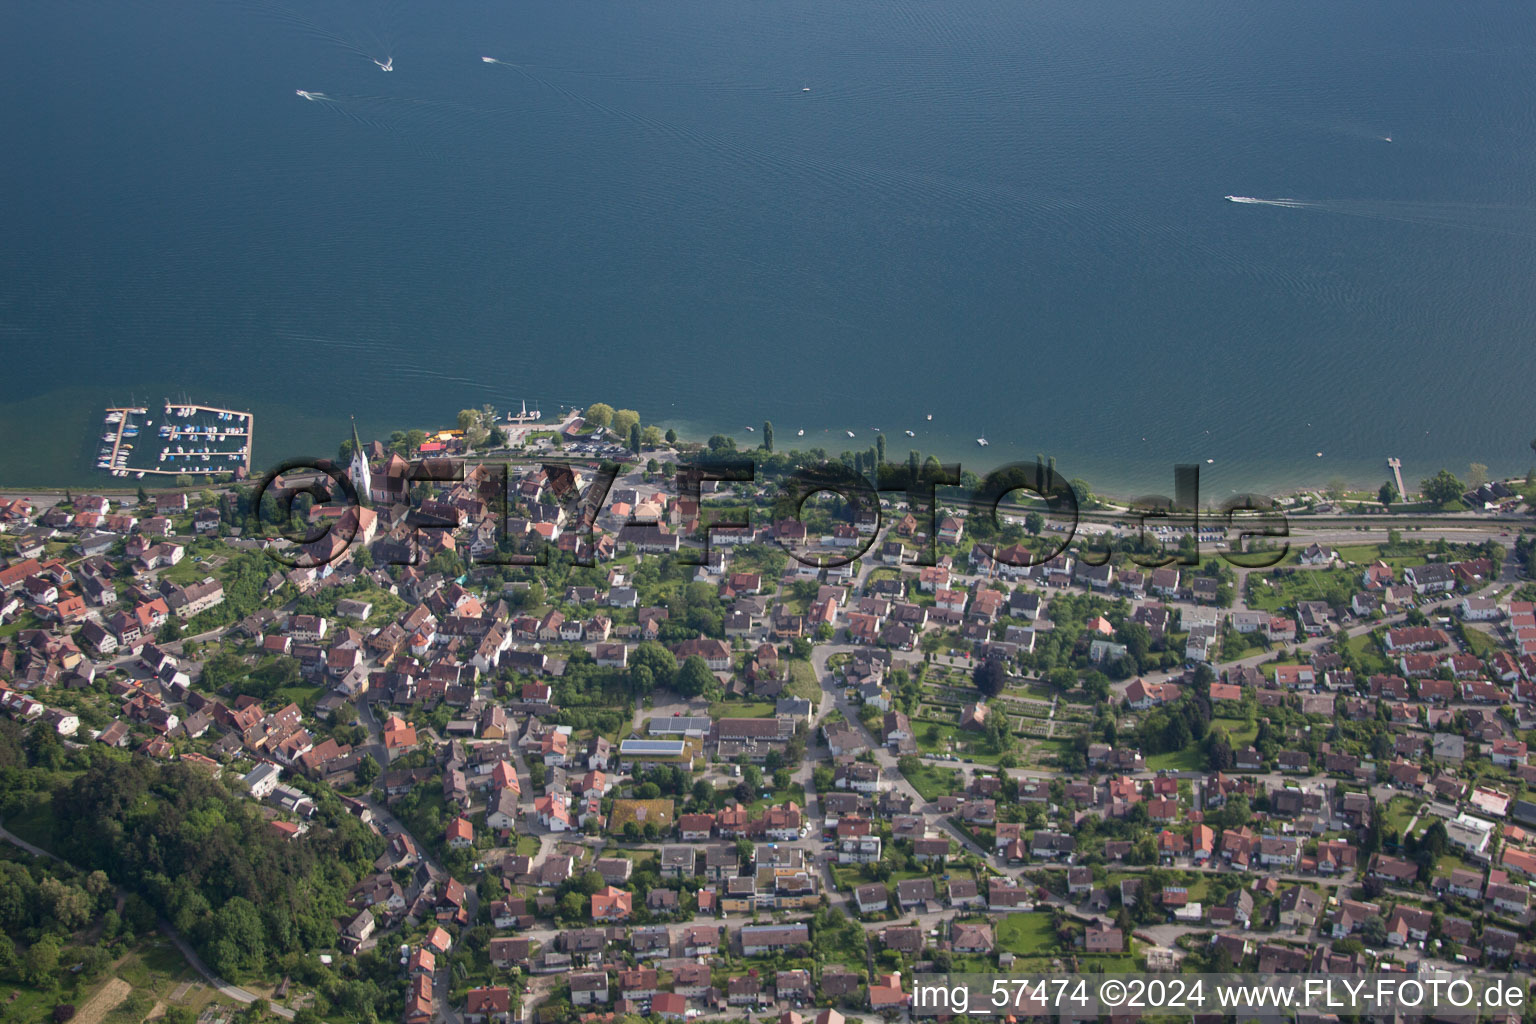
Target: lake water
(1007,214)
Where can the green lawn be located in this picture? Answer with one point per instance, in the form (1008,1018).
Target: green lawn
(932,782)
(1188,759)
(187,571)
(1026,934)
(1237,731)
(1398,812)
(740,709)
(1367,554)
(1480,643)
(26,620)
(303,696)
(1270,593)
(802,681)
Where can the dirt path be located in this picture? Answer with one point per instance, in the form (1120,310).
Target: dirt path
(104,1002)
(158,1010)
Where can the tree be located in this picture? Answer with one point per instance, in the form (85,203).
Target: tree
(651,436)
(1443,488)
(694,678)
(599,414)
(671,436)
(41,961)
(879,450)
(67,905)
(367,770)
(634,438)
(659,662)
(990,677)
(1387,493)
(1061,678)
(1096,686)
(1374,930)
(767,435)
(623,419)
(1034,522)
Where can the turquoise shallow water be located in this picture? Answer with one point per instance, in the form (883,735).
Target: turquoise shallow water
(1008,215)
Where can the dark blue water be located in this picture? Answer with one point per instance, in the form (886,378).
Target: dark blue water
(1006,214)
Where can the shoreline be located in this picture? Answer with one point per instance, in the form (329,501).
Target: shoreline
(691,431)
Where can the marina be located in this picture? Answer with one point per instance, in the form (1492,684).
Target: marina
(192,439)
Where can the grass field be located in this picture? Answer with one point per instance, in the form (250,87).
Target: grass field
(802,681)
(1238,732)
(1270,593)
(1398,813)
(1367,554)
(944,738)
(1026,934)
(1188,759)
(303,696)
(740,709)
(1480,643)
(931,782)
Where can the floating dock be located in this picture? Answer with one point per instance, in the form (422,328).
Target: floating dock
(195,439)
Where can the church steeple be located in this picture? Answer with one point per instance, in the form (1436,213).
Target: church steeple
(362,476)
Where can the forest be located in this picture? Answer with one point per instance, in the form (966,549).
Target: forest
(180,846)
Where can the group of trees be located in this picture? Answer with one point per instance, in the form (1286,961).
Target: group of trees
(480,428)
(1173,726)
(203,857)
(624,423)
(173,842)
(1443,488)
(42,905)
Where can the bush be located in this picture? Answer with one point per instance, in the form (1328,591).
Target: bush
(63,1012)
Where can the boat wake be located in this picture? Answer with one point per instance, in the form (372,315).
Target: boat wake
(1498,218)
(349,40)
(1290,203)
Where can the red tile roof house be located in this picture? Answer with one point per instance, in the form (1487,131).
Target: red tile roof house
(487,1005)
(612,904)
(460,834)
(885,994)
(669,1006)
